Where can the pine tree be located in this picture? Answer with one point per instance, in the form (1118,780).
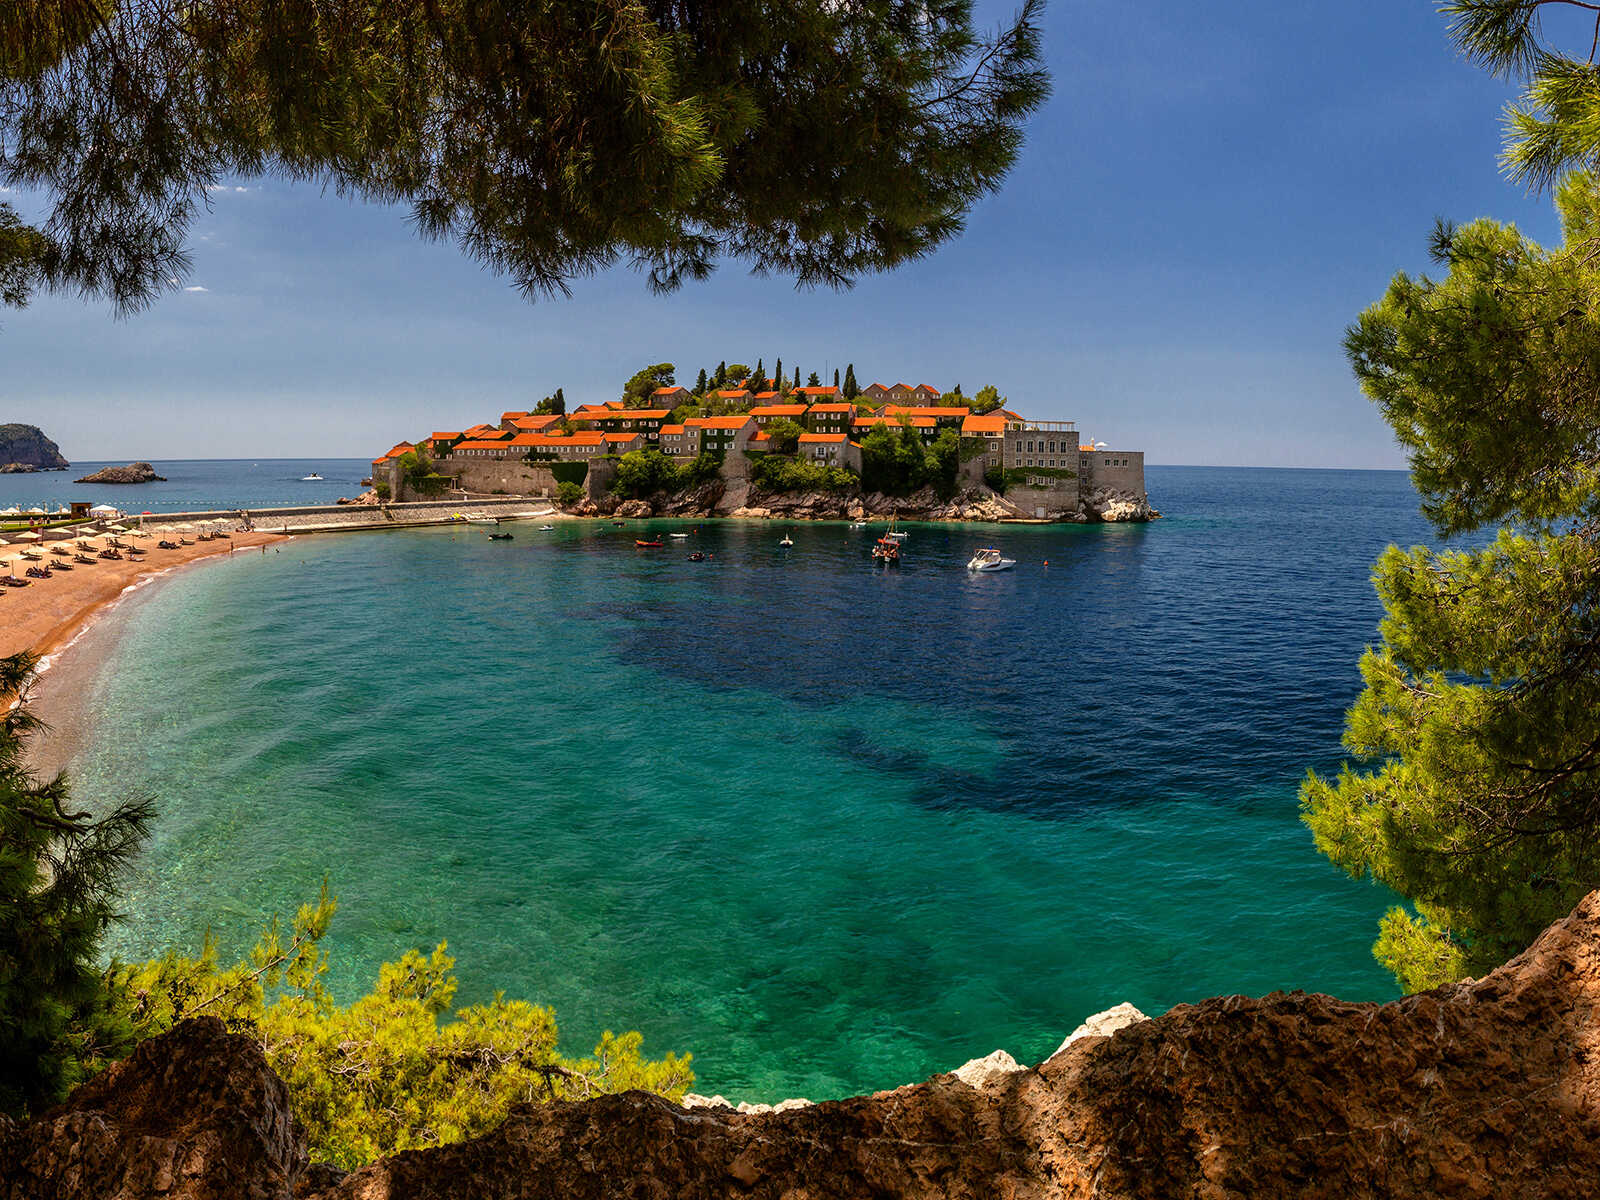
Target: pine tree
(813,380)
(700,383)
(851,389)
(700,108)
(1479,724)
(59,873)
(758,378)
(721,377)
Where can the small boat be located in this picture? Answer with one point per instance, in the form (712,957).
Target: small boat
(641,544)
(311,478)
(677,536)
(896,536)
(988,559)
(618,524)
(500,537)
(787,541)
(886,551)
(697,556)
(482,520)
(858,524)
(546,528)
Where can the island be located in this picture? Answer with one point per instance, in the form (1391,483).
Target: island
(741,446)
(24,449)
(139,472)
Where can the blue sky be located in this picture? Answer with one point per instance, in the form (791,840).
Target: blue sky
(1210,196)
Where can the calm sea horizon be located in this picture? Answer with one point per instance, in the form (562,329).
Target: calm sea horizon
(828,827)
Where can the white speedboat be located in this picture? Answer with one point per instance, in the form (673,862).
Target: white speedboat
(858,524)
(988,559)
(311,478)
(546,528)
(896,535)
(677,536)
(787,541)
(483,520)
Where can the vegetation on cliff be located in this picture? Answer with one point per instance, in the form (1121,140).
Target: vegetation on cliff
(1481,712)
(27,444)
(548,140)
(396,1069)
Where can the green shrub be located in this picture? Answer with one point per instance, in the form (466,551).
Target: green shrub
(776,473)
(569,493)
(381,487)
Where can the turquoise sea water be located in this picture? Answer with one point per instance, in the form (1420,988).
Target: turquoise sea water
(830,828)
(194,485)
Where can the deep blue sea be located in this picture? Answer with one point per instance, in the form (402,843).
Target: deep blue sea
(829,827)
(195,486)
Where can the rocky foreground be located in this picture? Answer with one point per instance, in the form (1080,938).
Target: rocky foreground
(1481,1089)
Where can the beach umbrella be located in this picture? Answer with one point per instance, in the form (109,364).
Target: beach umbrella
(30,536)
(36,512)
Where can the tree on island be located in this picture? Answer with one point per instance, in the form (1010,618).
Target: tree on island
(700,383)
(851,388)
(797,377)
(778,380)
(488,122)
(555,405)
(637,391)
(987,400)
(813,380)
(784,436)
(758,378)
(836,377)
(1479,725)
(720,378)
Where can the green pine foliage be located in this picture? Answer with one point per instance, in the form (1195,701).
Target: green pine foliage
(1478,732)
(60,869)
(548,140)
(397,1069)
(642,473)
(783,436)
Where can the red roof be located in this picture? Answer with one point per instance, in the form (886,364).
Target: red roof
(832,408)
(817,391)
(586,438)
(766,395)
(535,424)
(988,423)
(737,422)
(779,410)
(443,437)
(402,448)
(670,391)
(480,444)
(672,429)
(623,437)
(923,387)
(895,410)
(917,422)
(830,438)
(761,435)
(732,394)
(511,416)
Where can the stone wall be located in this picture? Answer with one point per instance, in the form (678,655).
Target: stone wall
(1104,471)
(502,476)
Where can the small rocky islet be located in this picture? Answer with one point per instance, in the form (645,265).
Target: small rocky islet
(139,472)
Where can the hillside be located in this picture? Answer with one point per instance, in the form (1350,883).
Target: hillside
(26,447)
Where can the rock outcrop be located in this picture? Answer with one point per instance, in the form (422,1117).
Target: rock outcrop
(139,472)
(1487,1088)
(24,448)
(1109,504)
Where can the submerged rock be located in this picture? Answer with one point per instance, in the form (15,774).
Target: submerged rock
(139,472)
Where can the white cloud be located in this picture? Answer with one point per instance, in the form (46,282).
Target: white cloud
(196,288)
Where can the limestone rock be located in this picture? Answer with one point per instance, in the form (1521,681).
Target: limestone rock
(193,1115)
(139,472)
(635,508)
(980,1072)
(25,449)
(1104,1024)
(1109,504)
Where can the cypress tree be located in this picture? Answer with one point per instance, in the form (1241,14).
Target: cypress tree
(836,377)
(777,374)
(851,389)
(700,383)
(721,377)
(797,377)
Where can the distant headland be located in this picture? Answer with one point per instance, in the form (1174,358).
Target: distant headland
(741,445)
(24,449)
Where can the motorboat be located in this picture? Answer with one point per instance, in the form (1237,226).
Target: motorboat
(787,541)
(887,551)
(546,528)
(483,520)
(896,535)
(643,544)
(988,559)
(500,537)
(697,556)
(677,536)
(858,524)
(311,478)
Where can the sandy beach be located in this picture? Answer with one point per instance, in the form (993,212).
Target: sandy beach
(45,615)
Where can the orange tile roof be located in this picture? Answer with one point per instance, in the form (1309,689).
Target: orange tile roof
(401,448)
(736,422)
(986,423)
(732,394)
(535,424)
(761,435)
(511,416)
(894,410)
(378,462)
(817,391)
(1082,448)
(623,437)
(480,444)
(916,421)
(765,395)
(437,436)
(671,429)
(830,438)
(669,391)
(832,408)
(923,387)
(1012,415)
(778,410)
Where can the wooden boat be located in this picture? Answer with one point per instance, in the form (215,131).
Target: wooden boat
(641,543)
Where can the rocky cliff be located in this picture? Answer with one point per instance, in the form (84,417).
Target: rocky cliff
(25,448)
(740,500)
(1481,1089)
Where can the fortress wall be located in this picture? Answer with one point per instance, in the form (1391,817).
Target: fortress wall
(511,476)
(1121,478)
